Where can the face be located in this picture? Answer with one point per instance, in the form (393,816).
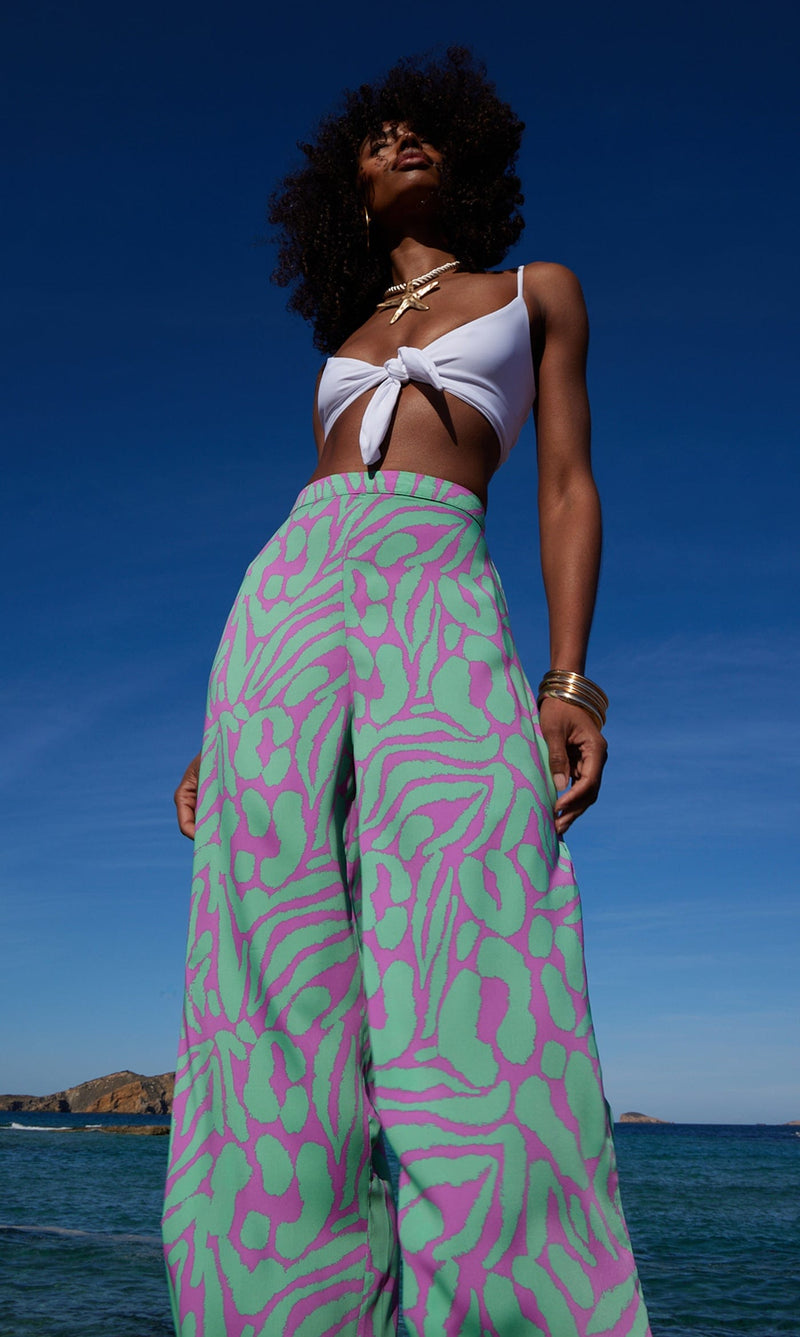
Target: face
(398,168)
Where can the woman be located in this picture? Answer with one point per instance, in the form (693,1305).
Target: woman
(385,937)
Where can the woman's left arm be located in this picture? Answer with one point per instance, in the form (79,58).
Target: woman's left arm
(569,526)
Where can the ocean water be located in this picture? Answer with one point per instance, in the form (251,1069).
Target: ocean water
(80,1253)
(713,1211)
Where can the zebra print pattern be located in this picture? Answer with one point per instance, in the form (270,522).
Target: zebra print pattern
(385,935)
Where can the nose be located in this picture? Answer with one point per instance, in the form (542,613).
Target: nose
(410,140)
(407,139)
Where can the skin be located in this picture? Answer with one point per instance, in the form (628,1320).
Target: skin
(400,178)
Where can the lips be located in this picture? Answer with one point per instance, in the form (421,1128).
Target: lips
(411,158)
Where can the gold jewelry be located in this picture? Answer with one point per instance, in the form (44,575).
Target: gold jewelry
(423,278)
(367,220)
(406,296)
(571,700)
(577,691)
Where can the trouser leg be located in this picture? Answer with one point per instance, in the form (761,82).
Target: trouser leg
(276,1222)
(485,1071)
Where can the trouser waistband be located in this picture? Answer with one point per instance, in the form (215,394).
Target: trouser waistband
(392,482)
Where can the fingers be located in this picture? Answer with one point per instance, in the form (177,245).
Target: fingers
(560,767)
(186,798)
(186,811)
(581,794)
(578,754)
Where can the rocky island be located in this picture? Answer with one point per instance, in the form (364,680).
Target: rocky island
(633,1116)
(123,1092)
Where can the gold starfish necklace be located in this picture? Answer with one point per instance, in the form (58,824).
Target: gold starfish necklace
(406,296)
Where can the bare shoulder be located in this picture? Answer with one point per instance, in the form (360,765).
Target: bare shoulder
(553,292)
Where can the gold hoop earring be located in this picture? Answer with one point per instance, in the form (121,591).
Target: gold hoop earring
(367,220)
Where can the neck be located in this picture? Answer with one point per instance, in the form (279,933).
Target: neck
(414,255)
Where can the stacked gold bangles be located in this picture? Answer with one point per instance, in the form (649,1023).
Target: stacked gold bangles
(577,690)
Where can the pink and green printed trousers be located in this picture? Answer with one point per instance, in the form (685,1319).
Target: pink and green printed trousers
(385,943)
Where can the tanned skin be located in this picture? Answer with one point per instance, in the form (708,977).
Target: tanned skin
(437,434)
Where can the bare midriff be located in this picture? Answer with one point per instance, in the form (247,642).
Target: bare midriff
(430,433)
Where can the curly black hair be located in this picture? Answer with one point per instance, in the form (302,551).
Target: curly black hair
(319,212)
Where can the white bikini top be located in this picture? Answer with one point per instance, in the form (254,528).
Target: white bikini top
(486,363)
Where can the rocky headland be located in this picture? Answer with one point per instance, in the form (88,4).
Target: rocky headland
(129,1092)
(119,1093)
(633,1116)
(136,1129)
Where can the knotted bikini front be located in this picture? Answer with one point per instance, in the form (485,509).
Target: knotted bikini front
(411,364)
(486,363)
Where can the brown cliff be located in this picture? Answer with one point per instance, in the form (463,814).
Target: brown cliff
(633,1116)
(119,1093)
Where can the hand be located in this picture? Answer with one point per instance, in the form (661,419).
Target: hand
(577,752)
(186,797)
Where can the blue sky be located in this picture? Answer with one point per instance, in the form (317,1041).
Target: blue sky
(156,427)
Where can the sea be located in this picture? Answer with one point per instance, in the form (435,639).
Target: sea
(712,1209)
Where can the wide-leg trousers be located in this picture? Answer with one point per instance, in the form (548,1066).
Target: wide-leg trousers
(385,943)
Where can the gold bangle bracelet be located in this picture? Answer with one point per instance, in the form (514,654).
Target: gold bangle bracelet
(576,690)
(566,678)
(579,695)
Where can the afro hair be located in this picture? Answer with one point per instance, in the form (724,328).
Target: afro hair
(318,210)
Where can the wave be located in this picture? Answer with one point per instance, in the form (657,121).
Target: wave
(37,1127)
(54,1127)
(109,1236)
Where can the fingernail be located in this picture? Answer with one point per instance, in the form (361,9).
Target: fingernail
(560,782)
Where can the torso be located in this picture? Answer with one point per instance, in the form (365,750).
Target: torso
(431,432)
